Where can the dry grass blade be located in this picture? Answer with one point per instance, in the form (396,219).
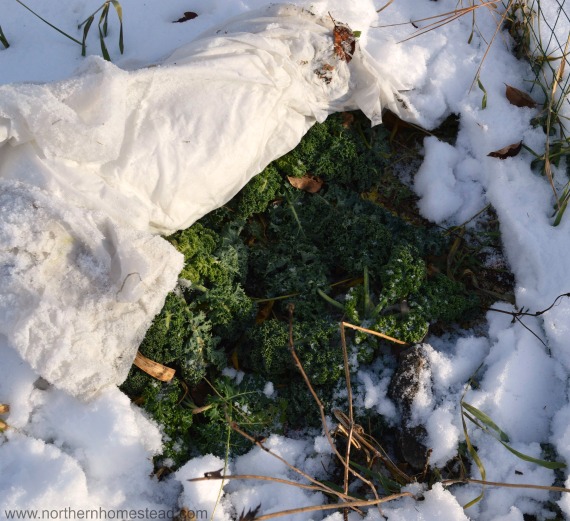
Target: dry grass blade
(320,508)
(445,18)
(347,501)
(375,333)
(384,6)
(324,488)
(316,488)
(448,482)
(441,19)
(551,111)
(350,410)
(399,476)
(321,406)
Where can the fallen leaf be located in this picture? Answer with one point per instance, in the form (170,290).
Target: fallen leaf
(4,408)
(519,98)
(264,311)
(344,42)
(347,119)
(188,15)
(307,183)
(508,151)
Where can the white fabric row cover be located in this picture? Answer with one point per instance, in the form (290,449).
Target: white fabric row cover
(94,167)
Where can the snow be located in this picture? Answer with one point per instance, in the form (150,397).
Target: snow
(72,313)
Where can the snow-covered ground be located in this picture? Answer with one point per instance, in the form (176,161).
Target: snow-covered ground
(63,452)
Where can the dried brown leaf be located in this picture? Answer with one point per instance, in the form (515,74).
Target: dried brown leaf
(4,408)
(508,151)
(306,183)
(188,15)
(519,98)
(154,369)
(264,311)
(344,42)
(347,119)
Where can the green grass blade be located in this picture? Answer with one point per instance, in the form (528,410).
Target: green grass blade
(104,50)
(104,18)
(88,23)
(553,465)
(330,300)
(119,10)
(390,486)
(91,16)
(484,101)
(367,304)
(51,25)
(563,205)
(3,39)
(473,453)
(482,417)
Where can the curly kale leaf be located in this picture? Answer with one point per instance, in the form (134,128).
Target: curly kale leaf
(316,343)
(164,403)
(180,338)
(340,152)
(444,299)
(404,274)
(245,403)
(259,192)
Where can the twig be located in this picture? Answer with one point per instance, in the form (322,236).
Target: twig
(521,313)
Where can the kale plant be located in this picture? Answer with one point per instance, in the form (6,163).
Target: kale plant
(335,254)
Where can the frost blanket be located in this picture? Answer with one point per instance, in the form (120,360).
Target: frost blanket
(151,150)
